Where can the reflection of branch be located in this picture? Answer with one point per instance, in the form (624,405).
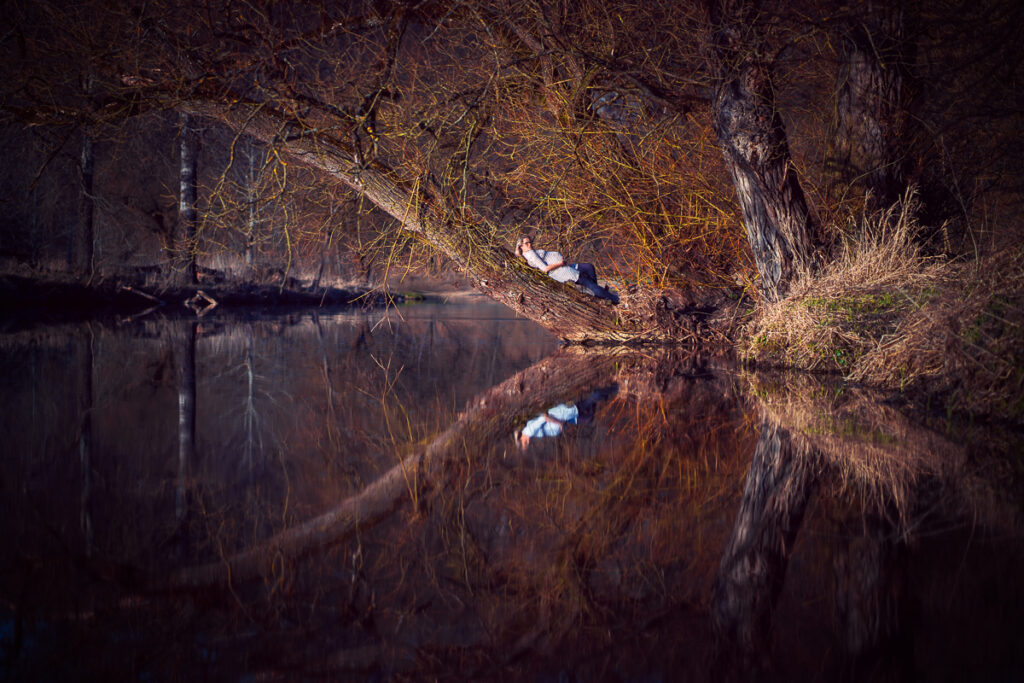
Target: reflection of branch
(197,305)
(490,416)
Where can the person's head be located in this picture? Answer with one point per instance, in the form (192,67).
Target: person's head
(524,244)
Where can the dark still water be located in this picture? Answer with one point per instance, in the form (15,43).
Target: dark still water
(440,493)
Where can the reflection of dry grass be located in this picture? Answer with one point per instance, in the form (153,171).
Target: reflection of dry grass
(880,455)
(635,521)
(616,522)
(886,314)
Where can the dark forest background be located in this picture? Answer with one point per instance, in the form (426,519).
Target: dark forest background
(602,128)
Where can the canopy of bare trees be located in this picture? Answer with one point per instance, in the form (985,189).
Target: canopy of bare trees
(685,148)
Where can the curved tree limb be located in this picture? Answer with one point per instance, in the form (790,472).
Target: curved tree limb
(421,209)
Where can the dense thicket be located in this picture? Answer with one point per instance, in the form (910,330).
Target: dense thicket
(685,148)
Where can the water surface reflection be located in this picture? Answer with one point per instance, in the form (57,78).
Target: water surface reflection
(342,496)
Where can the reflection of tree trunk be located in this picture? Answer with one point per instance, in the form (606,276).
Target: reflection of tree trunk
(753,566)
(867,609)
(782,233)
(187,200)
(85,444)
(250,407)
(491,417)
(185,368)
(332,417)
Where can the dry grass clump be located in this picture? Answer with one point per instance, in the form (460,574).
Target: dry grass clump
(883,313)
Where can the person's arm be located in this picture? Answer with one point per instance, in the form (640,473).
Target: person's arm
(534,259)
(552,261)
(549,268)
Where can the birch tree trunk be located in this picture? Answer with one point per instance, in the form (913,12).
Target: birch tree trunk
(255,159)
(188,212)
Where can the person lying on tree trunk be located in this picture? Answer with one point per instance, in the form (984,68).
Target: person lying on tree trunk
(552,263)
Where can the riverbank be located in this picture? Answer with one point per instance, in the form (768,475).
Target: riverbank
(62,298)
(886,314)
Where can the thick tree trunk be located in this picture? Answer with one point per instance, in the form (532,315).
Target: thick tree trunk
(419,208)
(870,107)
(783,235)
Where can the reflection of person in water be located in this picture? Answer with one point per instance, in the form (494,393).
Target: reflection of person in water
(552,263)
(552,421)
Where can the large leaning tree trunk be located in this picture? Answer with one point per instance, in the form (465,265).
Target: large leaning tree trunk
(783,235)
(420,208)
(871,112)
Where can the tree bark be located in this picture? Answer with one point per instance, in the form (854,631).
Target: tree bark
(421,209)
(783,235)
(870,107)
(187,201)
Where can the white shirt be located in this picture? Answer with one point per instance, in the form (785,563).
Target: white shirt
(538,426)
(539,259)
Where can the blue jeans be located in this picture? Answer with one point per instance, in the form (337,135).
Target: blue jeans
(586,269)
(588,280)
